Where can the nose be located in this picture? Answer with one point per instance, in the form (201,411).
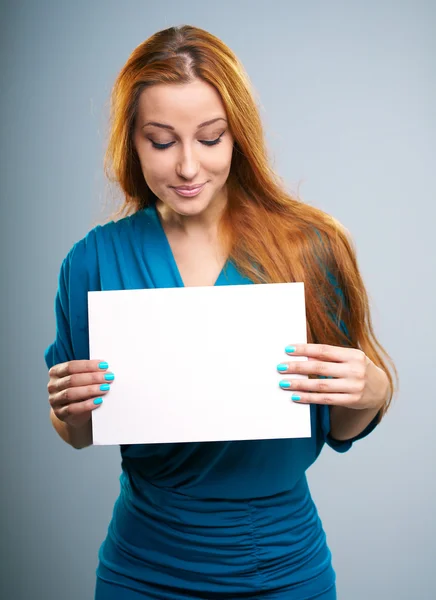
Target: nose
(187,164)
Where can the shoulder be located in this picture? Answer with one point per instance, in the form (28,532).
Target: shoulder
(86,250)
(108,231)
(107,257)
(333,242)
(338,227)
(332,227)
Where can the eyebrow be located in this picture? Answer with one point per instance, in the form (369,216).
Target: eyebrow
(172,128)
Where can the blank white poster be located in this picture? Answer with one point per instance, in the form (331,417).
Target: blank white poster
(197,364)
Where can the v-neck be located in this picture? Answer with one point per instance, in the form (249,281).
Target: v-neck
(221,279)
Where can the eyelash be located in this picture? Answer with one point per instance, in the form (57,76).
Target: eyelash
(205,142)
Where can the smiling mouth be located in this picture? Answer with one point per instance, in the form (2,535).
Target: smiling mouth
(189,190)
(188,187)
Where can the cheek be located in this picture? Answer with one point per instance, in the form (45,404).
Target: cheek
(155,167)
(220,162)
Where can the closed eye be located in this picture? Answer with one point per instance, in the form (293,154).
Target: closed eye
(205,142)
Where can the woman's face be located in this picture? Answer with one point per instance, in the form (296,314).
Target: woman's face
(183,139)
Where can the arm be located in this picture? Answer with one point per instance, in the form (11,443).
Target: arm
(70,342)
(77,437)
(346,423)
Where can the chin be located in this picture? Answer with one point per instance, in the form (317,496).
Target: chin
(189,206)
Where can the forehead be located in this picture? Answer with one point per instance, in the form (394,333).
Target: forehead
(178,104)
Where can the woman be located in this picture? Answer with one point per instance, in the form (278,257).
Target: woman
(202,207)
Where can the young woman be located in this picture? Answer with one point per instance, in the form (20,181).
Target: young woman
(203,207)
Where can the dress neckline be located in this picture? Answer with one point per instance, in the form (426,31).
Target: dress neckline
(170,254)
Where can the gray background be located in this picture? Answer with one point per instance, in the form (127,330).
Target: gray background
(347,93)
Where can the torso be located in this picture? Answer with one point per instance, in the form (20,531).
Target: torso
(193,498)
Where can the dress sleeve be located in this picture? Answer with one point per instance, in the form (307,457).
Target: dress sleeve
(71,307)
(61,350)
(340,445)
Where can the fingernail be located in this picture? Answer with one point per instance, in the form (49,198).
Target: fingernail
(103,365)
(295,397)
(290,349)
(285,384)
(98,400)
(105,387)
(282,367)
(109,376)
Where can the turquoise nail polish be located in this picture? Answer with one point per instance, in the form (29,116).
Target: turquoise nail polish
(105,387)
(295,397)
(98,400)
(103,365)
(290,349)
(285,385)
(109,376)
(282,367)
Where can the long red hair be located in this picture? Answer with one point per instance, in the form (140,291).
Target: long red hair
(270,235)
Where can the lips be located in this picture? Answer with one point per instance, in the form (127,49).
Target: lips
(186,190)
(189,188)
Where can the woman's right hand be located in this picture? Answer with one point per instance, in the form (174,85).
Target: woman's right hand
(75,389)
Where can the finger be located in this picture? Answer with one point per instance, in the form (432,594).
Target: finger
(81,380)
(77,366)
(70,411)
(322,386)
(73,395)
(314,367)
(348,400)
(323,352)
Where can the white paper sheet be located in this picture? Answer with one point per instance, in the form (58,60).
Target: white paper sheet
(197,363)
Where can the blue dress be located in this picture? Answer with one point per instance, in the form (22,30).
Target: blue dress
(208,520)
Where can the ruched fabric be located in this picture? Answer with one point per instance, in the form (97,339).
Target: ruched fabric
(163,541)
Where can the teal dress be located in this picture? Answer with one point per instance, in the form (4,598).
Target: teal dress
(208,520)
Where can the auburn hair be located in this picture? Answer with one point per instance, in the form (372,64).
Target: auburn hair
(270,235)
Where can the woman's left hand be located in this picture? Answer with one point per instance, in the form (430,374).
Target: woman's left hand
(356,381)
